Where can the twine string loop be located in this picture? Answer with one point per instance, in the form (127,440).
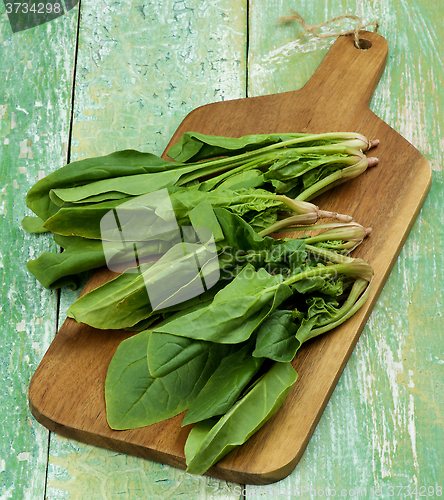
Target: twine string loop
(314,28)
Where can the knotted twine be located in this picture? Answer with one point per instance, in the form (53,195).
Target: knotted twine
(313,28)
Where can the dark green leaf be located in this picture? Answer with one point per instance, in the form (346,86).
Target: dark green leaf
(236,311)
(167,353)
(118,164)
(243,180)
(224,386)
(134,398)
(130,185)
(207,444)
(203,216)
(276,337)
(323,285)
(325,313)
(124,301)
(239,234)
(193,146)
(57,269)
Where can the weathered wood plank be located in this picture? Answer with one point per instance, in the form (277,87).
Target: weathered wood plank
(141,68)
(82,471)
(383,427)
(36,71)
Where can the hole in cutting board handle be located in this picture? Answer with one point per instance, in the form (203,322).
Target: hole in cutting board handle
(364,43)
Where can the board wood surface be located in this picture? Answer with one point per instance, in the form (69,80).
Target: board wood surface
(66,394)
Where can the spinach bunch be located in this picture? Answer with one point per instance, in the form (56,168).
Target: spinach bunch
(219,344)
(227,359)
(123,302)
(246,175)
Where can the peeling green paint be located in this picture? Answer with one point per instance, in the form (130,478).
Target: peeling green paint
(32,83)
(81,471)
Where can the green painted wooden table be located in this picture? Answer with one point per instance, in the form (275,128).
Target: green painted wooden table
(112,75)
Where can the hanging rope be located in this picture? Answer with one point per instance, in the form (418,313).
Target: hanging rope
(313,28)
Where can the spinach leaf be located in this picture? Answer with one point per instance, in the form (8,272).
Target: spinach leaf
(156,210)
(167,352)
(206,443)
(239,234)
(118,187)
(203,216)
(118,164)
(236,310)
(245,179)
(324,285)
(325,314)
(134,398)
(125,301)
(276,337)
(289,254)
(57,269)
(175,311)
(224,386)
(194,146)
(310,166)
(98,308)
(33,225)
(82,220)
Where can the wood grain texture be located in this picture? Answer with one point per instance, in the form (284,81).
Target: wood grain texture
(36,72)
(70,400)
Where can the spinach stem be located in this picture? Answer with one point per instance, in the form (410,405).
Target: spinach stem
(355,268)
(350,147)
(336,178)
(356,299)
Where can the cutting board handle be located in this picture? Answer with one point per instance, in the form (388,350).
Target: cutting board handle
(347,76)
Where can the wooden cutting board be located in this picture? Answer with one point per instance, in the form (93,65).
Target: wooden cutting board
(66,394)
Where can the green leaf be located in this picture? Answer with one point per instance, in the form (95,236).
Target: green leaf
(57,269)
(315,175)
(323,285)
(118,164)
(175,203)
(239,234)
(131,185)
(167,352)
(143,324)
(236,311)
(224,386)
(195,146)
(33,225)
(82,220)
(324,314)
(203,216)
(291,252)
(243,180)
(124,301)
(197,436)
(276,337)
(175,311)
(208,444)
(134,398)
(310,166)
(98,308)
